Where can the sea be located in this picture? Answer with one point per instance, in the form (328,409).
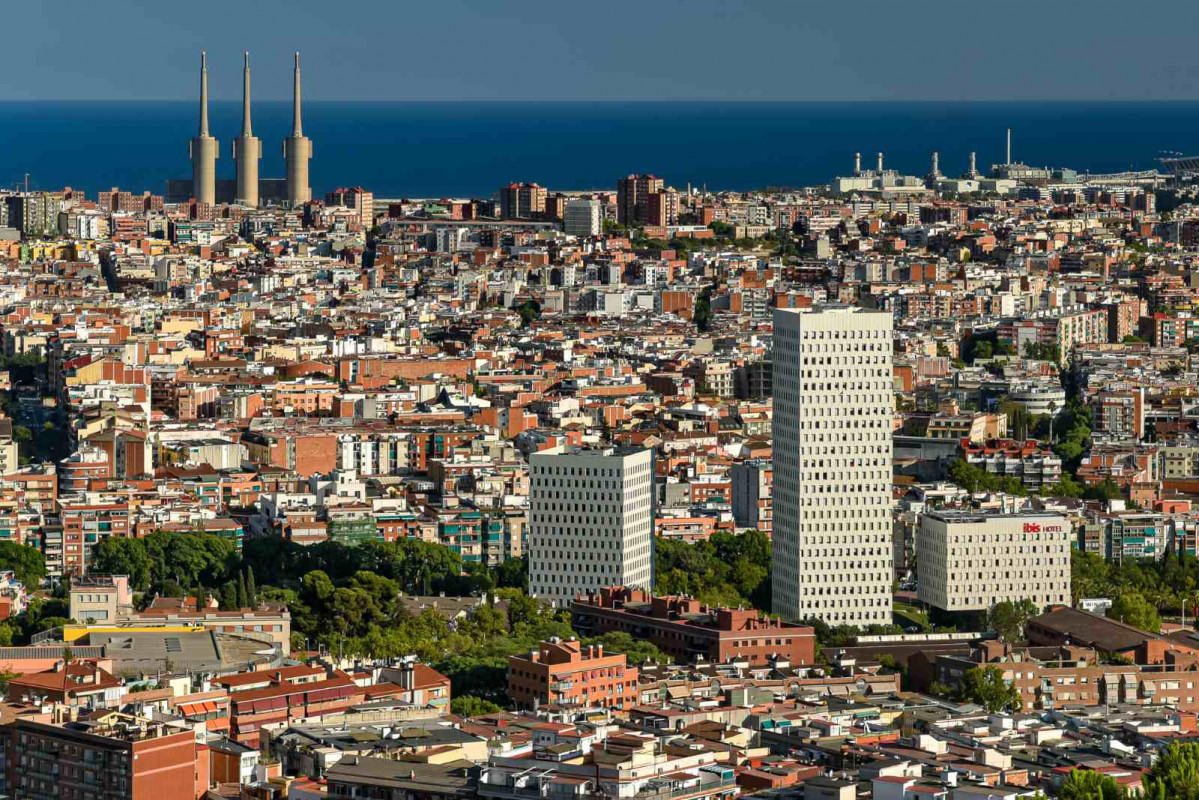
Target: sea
(460,149)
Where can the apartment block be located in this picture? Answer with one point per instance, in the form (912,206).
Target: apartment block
(567,673)
(125,757)
(687,629)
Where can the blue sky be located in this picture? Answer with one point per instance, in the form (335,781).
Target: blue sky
(614,50)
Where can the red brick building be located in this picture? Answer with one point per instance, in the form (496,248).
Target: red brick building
(567,673)
(147,762)
(685,628)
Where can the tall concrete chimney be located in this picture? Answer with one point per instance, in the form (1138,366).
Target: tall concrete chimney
(247,148)
(204,150)
(297,150)
(857,163)
(936,163)
(973,165)
(1009,147)
(880,163)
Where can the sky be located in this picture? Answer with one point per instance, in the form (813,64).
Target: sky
(545,50)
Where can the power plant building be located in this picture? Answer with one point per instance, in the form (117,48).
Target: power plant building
(248,188)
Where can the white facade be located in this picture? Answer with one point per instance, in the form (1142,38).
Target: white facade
(969,562)
(833,406)
(591,522)
(583,218)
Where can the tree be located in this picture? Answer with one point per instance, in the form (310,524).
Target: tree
(529,310)
(1107,490)
(1008,618)
(1086,784)
(27,563)
(1131,608)
(702,314)
(987,687)
(636,651)
(119,555)
(251,588)
(471,706)
(229,597)
(1175,774)
(243,598)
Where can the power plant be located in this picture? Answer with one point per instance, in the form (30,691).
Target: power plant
(247,148)
(205,150)
(297,150)
(248,189)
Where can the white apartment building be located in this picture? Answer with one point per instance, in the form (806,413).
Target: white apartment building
(583,218)
(833,406)
(591,522)
(968,561)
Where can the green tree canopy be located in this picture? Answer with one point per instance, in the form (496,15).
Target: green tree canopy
(1131,608)
(1085,784)
(27,563)
(471,706)
(1008,618)
(120,555)
(1175,774)
(986,687)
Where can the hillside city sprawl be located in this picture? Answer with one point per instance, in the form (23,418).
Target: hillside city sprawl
(883,488)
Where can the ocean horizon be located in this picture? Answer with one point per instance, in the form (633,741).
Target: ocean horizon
(457,149)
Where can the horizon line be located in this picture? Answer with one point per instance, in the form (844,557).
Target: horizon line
(577,101)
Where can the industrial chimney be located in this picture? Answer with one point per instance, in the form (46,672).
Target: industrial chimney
(204,149)
(297,150)
(247,148)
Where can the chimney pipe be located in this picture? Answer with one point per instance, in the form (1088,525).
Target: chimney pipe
(880,163)
(857,163)
(1009,147)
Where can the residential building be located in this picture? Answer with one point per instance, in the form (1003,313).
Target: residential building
(522,201)
(632,198)
(113,756)
(566,673)
(583,218)
(591,521)
(752,501)
(833,408)
(686,629)
(100,598)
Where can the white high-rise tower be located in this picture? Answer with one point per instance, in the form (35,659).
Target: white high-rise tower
(833,406)
(591,522)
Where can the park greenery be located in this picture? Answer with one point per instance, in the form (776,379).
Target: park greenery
(348,600)
(727,569)
(1138,585)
